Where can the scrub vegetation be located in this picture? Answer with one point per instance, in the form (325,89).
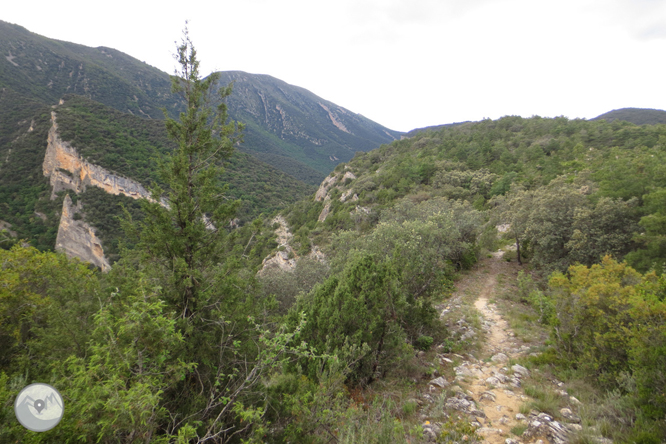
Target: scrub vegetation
(188,338)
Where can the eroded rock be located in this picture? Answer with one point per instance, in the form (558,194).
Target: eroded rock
(68,171)
(78,239)
(569,415)
(520,371)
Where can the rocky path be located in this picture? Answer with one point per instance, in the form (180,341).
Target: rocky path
(493,384)
(488,386)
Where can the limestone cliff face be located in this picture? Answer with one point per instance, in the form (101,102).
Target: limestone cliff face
(68,171)
(77,239)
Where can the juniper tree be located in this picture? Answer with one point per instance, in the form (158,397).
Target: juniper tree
(188,216)
(183,248)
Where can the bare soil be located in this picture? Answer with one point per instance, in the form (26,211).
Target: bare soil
(502,402)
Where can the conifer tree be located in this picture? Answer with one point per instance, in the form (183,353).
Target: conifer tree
(182,246)
(187,218)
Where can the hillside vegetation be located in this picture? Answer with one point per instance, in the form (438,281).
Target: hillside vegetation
(572,189)
(349,339)
(287,122)
(355,333)
(637,116)
(24,191)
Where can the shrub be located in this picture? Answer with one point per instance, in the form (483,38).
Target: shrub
(423,342)
(357,316)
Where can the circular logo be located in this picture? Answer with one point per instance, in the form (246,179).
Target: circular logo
(39,407)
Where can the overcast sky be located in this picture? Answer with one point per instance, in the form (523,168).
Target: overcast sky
(402,63)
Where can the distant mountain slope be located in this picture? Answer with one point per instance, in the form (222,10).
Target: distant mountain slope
(637,116)
(415,131)
(289,121)
(287,126)
(45,69)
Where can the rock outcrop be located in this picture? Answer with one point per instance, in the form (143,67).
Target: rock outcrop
(335,181)
(6,226)
(78,239)
(286,258)
(68,171)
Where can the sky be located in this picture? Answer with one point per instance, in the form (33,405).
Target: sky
(403,63)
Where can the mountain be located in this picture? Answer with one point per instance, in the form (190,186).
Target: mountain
(287,126)
(102,109)
(637,116)
(415,131)
(286,123)
(44,69)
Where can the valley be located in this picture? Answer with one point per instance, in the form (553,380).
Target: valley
(270,267)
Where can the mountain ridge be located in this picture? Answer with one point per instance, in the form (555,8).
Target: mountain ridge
(304,145)
(637,116)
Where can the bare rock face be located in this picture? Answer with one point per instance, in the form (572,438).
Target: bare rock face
(286,258)
(324,187)
(329,183)
(68,171)
(544,425)
(281,260)
(346,195)
(324,212)
(77,239)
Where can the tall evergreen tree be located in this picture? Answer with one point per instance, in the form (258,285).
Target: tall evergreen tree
(187,218)
(182,246)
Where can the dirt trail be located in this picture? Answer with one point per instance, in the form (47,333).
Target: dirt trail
(487,389)
(491,382)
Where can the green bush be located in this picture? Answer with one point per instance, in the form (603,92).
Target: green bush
(423,343)
(610,324)
(358,316)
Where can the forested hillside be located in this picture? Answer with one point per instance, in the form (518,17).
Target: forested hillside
(24,190)
(638,116)
(121,143)
(336,320)
(571,189)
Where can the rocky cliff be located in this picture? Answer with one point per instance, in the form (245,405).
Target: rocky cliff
(68,171)
(78,239)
